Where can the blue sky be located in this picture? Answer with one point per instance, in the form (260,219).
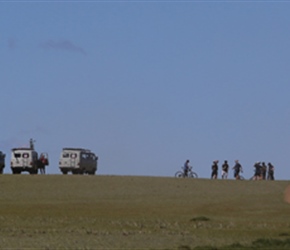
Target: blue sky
(148,84)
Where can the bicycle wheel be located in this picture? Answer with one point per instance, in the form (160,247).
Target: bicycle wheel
(179,174)
(192,175)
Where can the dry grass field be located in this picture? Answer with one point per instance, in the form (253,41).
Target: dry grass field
(128,212)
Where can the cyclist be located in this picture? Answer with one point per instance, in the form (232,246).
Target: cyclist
(186,168)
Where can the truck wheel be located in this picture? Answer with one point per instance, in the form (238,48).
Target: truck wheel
(16,171)
(93,172)
(33,171)
(64,171)
(78,171)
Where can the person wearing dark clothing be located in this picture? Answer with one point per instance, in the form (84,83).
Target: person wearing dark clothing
(186,168)
(225,169)
(263,171)
(257,175)
(270,172)
(42,162)
(237,169)
(214,169)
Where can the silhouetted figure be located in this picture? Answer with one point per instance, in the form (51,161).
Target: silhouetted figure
(257,174)
(270,172)
(263,171)
(237,169)
(186,168)
(41,163)
(214,168)
(225,169)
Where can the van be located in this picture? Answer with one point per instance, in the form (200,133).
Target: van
(25,159)
(2,162)
(78,161)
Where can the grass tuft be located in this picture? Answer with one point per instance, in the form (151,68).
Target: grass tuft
(200,218)
(205,248)
(268,243)
(284,234)
(236,246)
(183,247)
(259,244)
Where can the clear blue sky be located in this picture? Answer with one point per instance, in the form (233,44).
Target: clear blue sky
(148,84)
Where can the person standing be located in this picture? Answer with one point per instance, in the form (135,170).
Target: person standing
(237,169)
(214,168)
(270,172)
(42,163)
(263,171)
(257,175)
(225,169)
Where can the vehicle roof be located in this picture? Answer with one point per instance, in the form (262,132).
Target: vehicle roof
(27,149)
(77,149)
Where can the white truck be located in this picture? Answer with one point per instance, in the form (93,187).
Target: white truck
(26,159)
(78,161)
(2,162)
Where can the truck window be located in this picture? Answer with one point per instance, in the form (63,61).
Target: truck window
(84,156)
(25,155)
(73,156)
(17,155)
(65,155)
(92,156)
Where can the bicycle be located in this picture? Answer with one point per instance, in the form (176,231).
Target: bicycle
(190,173)
(239,177)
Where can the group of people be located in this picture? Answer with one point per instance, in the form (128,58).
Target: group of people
(261,170)
(225,170)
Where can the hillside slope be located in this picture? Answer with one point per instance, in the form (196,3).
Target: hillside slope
(89,212)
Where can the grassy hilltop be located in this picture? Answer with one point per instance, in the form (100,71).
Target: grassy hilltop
(123,212)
